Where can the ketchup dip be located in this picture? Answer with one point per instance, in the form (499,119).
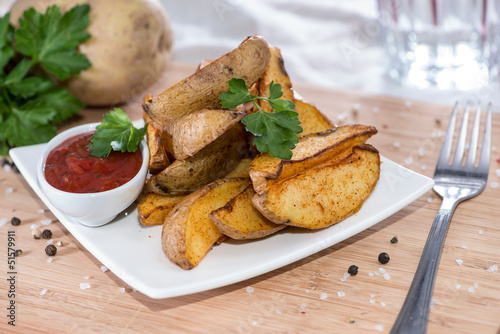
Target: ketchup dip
(70,167)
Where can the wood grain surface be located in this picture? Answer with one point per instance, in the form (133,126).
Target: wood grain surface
(304,297)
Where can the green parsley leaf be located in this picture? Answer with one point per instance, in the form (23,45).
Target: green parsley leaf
(6,50)
(18,73)
(63,102)
(116,133)
(276,132)
(51,39)
(31,86)
(238,94)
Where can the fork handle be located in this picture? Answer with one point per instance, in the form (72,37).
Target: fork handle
(414,313)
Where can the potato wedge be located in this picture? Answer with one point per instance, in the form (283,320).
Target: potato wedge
(193,132)
(241,169)
(238,219)
(312,150)
(158,158)
(188,233)
(213,162)
(276,72)
(201,90)
(325,194)
(311,119)
(154,208)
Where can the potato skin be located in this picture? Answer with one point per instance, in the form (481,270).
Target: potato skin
(129,48)
(154,208)
(201,90)
(325,194)
(188,233)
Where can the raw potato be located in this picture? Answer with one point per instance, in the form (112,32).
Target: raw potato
(154,208)
(214,161)
(238,219)
(312,150)
(325,194)
(129,48)
(201,90)
(158,158)
(188,233)
(191,133)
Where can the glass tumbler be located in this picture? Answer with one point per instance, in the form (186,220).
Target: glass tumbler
(446,44)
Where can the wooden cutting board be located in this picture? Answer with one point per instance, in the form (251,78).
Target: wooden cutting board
(302,297)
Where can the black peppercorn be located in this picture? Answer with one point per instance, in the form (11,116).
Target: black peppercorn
(51,250)
(15,221)
(383,258)
(353,270)
(18,252)
(46,234)
(394,240)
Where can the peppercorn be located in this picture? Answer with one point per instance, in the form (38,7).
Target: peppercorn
(59,243)
(51,250)
(352,320)
(18,252)
(353,270)
(36,233)
(47,234)
(15,221)
(394,240)
(383,258)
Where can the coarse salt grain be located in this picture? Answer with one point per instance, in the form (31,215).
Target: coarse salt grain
(375,110)
(377,273)
(342,279)
(85,277)
(278,312)
(379,328)
(471,289)
(307,290)
(409,160)
(250,289)
(494,185)
(497,172)
(3,221)
(7,167)
(341,294)
(342,116)
(346,275)
(437,134)
(255,323)
(126,213)
(50,241)
(464,246)
(9,190)
(371,274)
(44,291)
(46,222)
(382,270)
(373,296)
(84,286)
(458,286)
(49,260)
(356,106)
(396,144)
(421,151)
(387,276)
(493,268)
(407,104)
(433,302)
(382,304)
(460,262)
(323,296)
(104,269)
(476,285)
(423,167)
(372,301)
(480,231)
(303,306)
(429,200)
(33,226)
(122,290)
(40,211)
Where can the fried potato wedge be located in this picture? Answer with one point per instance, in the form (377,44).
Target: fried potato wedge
(241,169)
(154,208)
(202,89)
(325,194)
(213,162)
(312,150)
(311,119)
(158,158)
(188,233)
(238,219)
(275,72)
(191,133)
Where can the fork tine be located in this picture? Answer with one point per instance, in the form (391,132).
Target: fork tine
(471,156)
(459,152)
(484,161)
(448,139)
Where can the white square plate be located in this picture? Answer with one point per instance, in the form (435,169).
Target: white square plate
(134,253)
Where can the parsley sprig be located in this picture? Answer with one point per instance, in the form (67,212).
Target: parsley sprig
(33,58)
(276,132)
(116,132)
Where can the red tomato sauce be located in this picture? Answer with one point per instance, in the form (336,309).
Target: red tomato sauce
(70,167)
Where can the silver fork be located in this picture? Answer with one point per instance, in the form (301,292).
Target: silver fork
(455,182)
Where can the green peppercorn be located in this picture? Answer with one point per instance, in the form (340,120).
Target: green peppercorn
(353,270)
(383,258)
(46,234)
(51,250)
(15,221)
(394,240)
